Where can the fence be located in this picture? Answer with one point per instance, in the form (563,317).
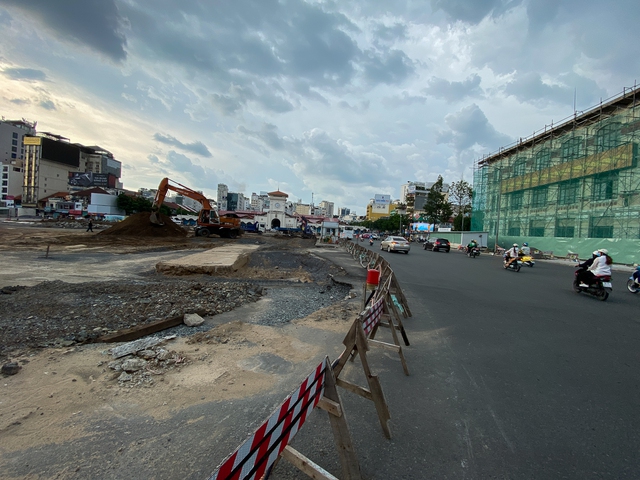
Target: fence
(385,308)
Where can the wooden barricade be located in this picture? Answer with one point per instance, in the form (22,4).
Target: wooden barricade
(356,341)
(255,458)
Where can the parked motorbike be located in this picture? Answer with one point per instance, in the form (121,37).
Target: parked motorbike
(474,252)
(527,260)
(600,288)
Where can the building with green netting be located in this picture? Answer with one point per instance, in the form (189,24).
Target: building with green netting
(569,189)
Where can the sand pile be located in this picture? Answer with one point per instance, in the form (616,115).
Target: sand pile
(139,225)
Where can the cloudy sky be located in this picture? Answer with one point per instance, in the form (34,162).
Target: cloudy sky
(336,99)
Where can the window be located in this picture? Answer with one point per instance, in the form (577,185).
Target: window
(601,227)
(4,183)
(572,149)
(536,228)
(13,155)
(515,202)
(565,227)
(542,158)
(568,192)
(5,175)
(14,134)
(14,149)
(14,143)
(539,197)
(608,137)
(519,167)
(605,187)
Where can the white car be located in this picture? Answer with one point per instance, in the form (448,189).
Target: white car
(395,244)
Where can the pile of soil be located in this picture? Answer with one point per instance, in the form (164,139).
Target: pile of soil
(139,225)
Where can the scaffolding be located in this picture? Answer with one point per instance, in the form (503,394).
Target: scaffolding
(570,188)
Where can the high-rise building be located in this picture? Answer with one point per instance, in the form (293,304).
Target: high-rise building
(12,157)
(326,208)
(221,199)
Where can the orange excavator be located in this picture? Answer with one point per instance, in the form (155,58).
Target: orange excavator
(208,219)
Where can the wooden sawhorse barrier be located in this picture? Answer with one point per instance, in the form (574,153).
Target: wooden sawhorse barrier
(255,458)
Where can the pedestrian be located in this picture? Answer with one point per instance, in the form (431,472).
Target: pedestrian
(90,226)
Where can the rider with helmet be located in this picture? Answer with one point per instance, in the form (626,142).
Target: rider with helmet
(511,255)
(601,267)
(525,249)
(472,244)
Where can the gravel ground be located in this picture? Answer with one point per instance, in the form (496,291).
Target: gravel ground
(53,314)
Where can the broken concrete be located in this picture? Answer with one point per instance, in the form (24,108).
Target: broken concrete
(220,260)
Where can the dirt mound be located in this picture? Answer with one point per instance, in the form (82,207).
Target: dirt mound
(139,225)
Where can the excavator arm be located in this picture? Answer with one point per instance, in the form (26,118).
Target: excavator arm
(207,210)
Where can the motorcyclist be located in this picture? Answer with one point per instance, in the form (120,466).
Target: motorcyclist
(584,266)
(526,251)
(601,267)
(472,244)
(370,240)
(511,255)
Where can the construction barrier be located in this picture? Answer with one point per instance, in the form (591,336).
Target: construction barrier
(255,457)
(384,308)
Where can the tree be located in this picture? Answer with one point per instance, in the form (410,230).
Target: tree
(436,208)
(138,204)
(460,195)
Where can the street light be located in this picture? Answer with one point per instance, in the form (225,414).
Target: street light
(401,211)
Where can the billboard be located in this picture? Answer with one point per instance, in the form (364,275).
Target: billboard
(60,152)
(90,179)
(422,227)
(382,199)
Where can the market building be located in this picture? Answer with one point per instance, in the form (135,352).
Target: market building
(570,188)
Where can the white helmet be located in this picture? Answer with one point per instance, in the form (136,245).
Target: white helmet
(603,250)
(515,244)
(595,253)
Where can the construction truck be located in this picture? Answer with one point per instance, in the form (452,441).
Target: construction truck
(208,222)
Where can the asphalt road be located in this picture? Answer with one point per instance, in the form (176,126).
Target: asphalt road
(513,375)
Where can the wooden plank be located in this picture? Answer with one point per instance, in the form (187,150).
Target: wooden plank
(330,406)
(140,331)
(302,463)
(385,345)
(357,389)
(340,429)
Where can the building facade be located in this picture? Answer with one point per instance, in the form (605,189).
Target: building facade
(12,133)
(221,198)
(570,189)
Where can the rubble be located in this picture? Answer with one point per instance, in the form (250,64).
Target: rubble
(142,367)
(139,225)
(61,314)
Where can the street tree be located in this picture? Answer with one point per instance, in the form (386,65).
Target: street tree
(436,208)
(460,196)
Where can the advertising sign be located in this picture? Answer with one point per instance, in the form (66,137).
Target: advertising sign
(422,227)
(31,140)
(89,179)
(382,199)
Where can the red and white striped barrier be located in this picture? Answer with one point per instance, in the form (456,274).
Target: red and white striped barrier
(252,459)
(372,316)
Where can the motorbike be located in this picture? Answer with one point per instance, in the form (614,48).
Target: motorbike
(515,266)
(632,285)
(474,252)
(600,288)
(527,260)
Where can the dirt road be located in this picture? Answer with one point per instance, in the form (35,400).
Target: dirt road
(66,414)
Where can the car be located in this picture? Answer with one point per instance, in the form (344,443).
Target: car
(437,245)
(395,244)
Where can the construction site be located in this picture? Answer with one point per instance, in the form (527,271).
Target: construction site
(570,188)
(267,306)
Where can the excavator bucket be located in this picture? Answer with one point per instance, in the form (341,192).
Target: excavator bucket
(155,218)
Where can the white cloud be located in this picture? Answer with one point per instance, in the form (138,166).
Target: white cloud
(342,99)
